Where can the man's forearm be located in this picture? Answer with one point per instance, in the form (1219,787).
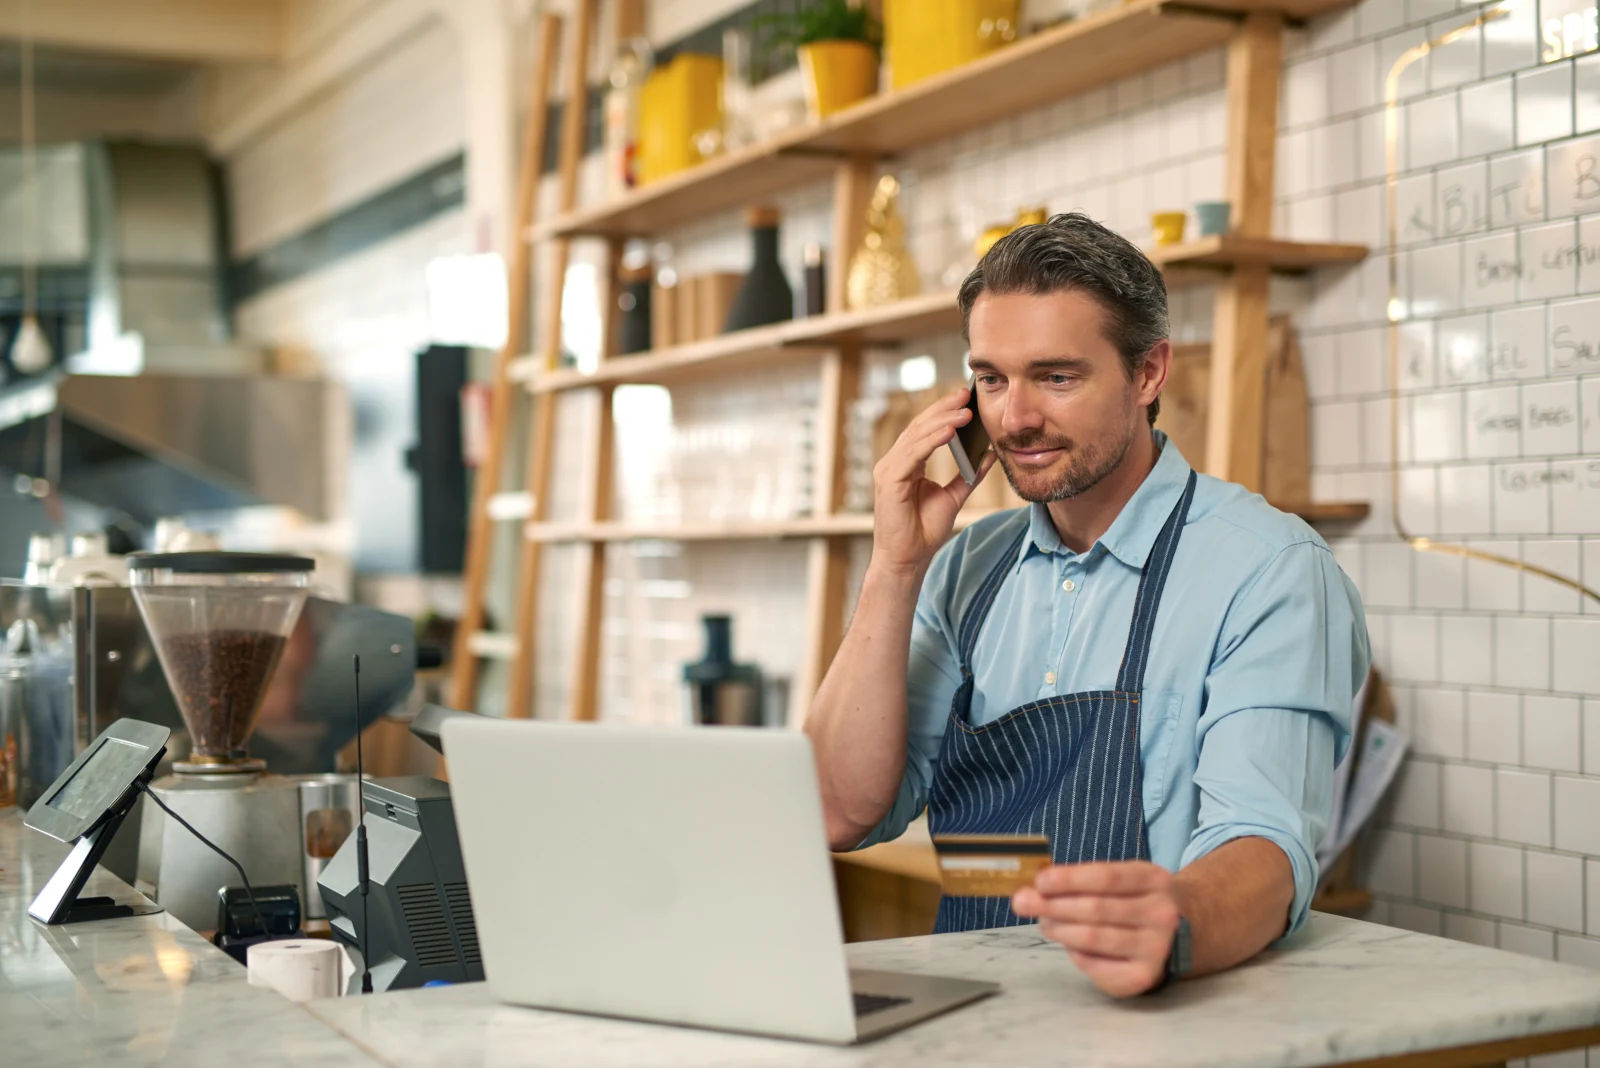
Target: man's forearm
(857,721)
(1236,899)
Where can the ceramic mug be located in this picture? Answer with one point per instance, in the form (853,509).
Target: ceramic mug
(1213,216)
(1168,227)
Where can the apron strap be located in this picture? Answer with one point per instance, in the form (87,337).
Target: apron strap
(1153,580)
(978,610)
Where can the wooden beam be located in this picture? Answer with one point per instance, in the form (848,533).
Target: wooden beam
(828,558)
(852,191)
(587,655)
(1238,379)
(1239,332)
(519,691)
(464,663)
(1255,68)
(195,31)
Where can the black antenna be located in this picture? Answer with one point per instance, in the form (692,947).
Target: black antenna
(363,876)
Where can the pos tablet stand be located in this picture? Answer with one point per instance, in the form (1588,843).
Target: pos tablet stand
(86,806)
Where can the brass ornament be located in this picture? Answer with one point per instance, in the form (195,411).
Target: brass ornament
(881,271)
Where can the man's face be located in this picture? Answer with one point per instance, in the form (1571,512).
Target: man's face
(1053,391)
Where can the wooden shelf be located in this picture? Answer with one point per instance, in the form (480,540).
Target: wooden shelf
(1343,902)
(1327,511)
(931,313)
(891,324)
(1292,9)
(1226,252)
(846,524)
(1039,70)
(920,316)
(729,352)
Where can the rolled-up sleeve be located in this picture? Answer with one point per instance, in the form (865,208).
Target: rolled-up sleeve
(932,677)
(1292,653)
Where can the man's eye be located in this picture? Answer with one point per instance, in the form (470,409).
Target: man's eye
(988,380)
(1058,380)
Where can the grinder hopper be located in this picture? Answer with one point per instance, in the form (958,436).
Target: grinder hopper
(219,622)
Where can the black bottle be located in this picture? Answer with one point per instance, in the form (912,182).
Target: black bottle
(765,296)
(634,304)
(816,281)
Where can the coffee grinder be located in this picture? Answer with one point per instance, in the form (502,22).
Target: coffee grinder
(219,622)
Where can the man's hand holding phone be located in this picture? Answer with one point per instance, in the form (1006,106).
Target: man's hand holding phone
(912,514)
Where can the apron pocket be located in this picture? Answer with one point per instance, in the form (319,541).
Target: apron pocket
(1158,725)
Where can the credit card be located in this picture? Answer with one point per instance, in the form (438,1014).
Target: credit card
(990,865)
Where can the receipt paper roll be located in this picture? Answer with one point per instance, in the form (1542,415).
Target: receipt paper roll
(298,968)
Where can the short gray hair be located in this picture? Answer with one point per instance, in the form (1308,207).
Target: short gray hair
(1073,252)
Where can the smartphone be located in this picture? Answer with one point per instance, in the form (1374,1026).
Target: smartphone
(971,441)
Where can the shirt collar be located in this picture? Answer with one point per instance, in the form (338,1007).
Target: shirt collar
(1133,533)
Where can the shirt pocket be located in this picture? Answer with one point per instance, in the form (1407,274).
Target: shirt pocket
(1158,726)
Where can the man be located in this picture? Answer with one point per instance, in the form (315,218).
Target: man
(1153,668)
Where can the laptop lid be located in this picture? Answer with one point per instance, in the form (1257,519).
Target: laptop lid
(671,874)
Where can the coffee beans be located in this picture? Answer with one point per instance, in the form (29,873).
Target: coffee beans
(219,678)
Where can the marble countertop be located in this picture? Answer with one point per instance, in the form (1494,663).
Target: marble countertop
(135,992)
(1343,991)
(148,991)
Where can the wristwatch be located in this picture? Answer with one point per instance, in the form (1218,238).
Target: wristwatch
(1180,960)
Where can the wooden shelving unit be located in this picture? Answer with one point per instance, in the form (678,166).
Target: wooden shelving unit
(848,149)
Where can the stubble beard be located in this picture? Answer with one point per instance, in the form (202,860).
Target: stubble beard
(1087,465)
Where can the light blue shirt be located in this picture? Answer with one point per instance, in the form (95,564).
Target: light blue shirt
(1259,647)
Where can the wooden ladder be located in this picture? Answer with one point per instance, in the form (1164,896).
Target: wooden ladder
(471,640)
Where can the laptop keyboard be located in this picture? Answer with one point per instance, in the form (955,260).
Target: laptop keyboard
(867,1004)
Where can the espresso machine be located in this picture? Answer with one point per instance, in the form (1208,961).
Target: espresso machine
(220,623)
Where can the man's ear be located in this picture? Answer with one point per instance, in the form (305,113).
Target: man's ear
(1151,378)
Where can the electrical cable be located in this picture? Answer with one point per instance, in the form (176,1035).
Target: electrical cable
(363,871)
(248,889)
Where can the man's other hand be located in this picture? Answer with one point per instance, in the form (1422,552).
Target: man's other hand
(1116,920)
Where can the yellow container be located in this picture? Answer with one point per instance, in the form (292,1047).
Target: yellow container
(837,74)
(1167,227)
(677,103)
(924,38)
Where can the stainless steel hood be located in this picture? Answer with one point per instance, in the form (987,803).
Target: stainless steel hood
(153,445)
(164,412)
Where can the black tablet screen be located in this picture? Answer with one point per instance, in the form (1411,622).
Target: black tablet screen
(101,779)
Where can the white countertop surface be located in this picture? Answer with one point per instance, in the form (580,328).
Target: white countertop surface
(134,992)
(148,991)
(1346,990)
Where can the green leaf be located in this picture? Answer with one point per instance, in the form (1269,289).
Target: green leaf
(822,20)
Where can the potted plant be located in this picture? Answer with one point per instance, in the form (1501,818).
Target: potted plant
(837,44)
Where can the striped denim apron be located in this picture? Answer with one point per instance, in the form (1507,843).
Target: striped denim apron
(1067,767)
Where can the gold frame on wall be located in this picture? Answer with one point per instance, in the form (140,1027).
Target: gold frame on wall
(1396,310)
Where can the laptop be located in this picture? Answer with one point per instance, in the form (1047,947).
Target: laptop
(675,875)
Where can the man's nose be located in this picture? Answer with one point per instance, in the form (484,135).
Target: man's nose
(1019,413)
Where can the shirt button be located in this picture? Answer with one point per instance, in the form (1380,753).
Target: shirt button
(1049,678)
(1069,585)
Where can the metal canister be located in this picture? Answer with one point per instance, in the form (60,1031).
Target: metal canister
(329,808)
(37,740)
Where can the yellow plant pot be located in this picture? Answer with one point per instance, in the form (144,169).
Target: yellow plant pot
(837,74)
(923,38)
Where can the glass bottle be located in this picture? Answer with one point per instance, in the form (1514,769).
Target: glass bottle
(765,296)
